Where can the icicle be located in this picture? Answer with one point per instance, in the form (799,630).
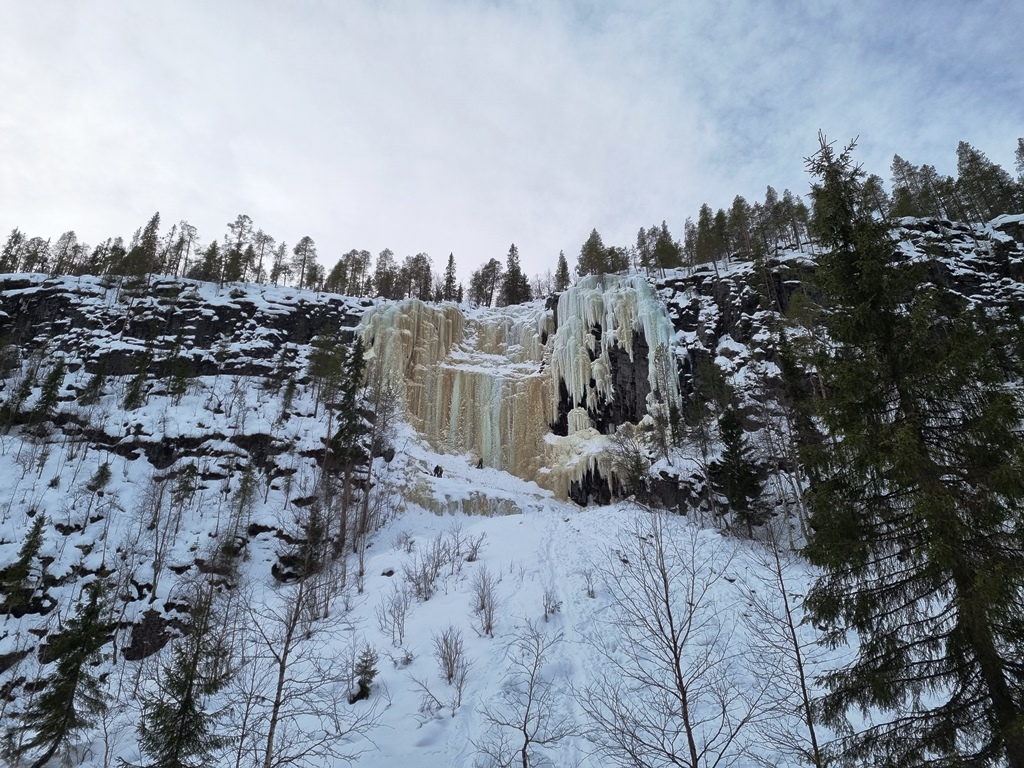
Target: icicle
(487,386)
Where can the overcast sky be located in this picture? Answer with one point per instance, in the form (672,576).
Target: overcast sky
(466,125)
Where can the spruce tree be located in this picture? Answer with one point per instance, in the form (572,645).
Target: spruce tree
(49,394)
(917,508)
(344,443)
(16,585)
(561,273)
(10,256)
(176,730)
(451,280)
(593,256)
(737,473)
(73,695)
(365,672)
(515,287)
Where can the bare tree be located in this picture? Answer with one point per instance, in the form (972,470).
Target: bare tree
(391,613)
(667,692)
(527,719)
(552,604)
(588,582)
(485,600)
(777,640)
(453,664)
(301,685)
(449,652)
(629,459)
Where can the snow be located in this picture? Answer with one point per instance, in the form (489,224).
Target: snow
(479,387)
(495,376)
(540,544)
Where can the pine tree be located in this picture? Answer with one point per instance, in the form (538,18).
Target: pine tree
(176,731)
(304,255)
(345,442)
(327,356)
(62,254)
(739,225)
(73,695)
(918,503)
(35,255)
(234,265)
(279,269)
(484,282)
(986,187)
(142,257)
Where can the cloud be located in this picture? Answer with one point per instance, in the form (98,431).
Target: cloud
(463,126)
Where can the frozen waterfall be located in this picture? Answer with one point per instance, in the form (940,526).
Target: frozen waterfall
(487,383)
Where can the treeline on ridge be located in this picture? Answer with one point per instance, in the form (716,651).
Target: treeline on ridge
(746,231)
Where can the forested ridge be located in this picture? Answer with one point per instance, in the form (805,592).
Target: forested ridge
(221,541)
(981,191)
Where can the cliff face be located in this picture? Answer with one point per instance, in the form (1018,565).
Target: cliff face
(534,390)
(171,431)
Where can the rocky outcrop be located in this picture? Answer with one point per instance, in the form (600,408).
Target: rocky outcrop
(113,327)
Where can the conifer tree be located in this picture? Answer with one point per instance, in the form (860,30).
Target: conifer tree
(561,273)
(142,257)
(73,695)
(209,269)
(450,290)
(705,245)
(515,287)
(304,256)
(918,502)
(987,189)
(737,473)
(485,282)
(666,252)
(135,390)
(365,672)
(49,394)
(344,445)
(738,221)
(279,269)
(176,731)
(10,256)
(16,586)
(234,265)
(63,254)
(592,256)
(385,274)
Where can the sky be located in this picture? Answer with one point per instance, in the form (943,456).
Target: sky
(464,126)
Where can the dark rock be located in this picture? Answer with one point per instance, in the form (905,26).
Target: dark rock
(150,635)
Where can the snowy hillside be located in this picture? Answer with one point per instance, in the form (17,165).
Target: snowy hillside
(200,453)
